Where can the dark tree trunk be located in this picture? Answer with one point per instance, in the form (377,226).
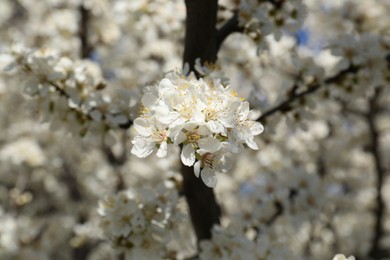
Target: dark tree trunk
(200,42)
(201,31)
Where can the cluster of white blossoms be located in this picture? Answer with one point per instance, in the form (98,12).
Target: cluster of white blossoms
(231,243)
(266,17)
(70,91)
(368,52)
(207,119)
(139,220)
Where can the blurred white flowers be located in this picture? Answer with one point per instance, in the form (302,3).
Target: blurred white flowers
(139,219)
(207,118)
(343,257)
(70,91)
(24,150)
(262,18)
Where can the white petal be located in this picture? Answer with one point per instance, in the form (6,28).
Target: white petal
(188,155)
(197,116)
(203,130)
(227,163)
(227,120)
(142,147)
(209,144)
(178,122)
(256,128)
(252,144)
(149,100)
(190,126)
(163,150)
(215,127)
(229,147)
(160,125)
(165,83)
(208,177)
(197,168)
(244,110)
(165,116)
(180,137)
(242,133)
(142,126)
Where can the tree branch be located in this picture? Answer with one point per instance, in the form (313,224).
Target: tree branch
(200,42)
(200,39)
(286,105)
(231,26)
(379,211)
(85,47)
(204,209)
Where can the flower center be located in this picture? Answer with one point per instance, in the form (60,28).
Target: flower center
(210,114)
(159,136)
(208,159)
(186,111)
(193,137)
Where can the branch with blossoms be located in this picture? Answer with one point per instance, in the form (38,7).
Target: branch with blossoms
(203,41)
(371,117)
(73,90)
(286,105)
(217,128)
(208,120)
(261,18)
(200,43)
(202,116)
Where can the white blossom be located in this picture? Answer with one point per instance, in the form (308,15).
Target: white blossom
(343,257)
(204,116)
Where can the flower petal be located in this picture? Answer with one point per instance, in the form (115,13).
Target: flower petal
(163,150)
(215,127)
(197,168)
(165,83)
(256,127)
(149,100)
(208,177)
(188,155)
(142,147)
(209,144)
(180,137)
(251,143)
(142,126)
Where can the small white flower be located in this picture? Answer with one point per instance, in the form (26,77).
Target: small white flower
(211,162)
(343,257)
(245,129)
(152,133)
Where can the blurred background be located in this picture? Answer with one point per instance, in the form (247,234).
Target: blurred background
(316,187)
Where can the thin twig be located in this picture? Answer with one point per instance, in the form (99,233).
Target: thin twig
(379,211)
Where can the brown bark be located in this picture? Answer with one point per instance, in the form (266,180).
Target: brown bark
(200,42)
(85,47)
(201,32)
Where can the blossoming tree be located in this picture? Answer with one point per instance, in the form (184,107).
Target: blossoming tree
(196,129)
